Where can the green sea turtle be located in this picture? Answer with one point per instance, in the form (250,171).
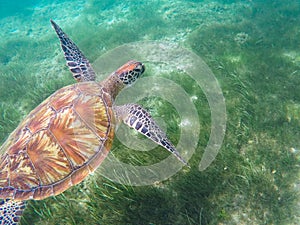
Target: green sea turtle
(69,134)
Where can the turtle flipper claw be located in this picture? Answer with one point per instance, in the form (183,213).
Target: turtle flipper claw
(11,211)
(78,64)
(138,118)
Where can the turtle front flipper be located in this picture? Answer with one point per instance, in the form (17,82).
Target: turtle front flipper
(138,118)
(76,61)
(11,211)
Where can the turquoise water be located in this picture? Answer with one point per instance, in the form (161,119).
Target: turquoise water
(252,49)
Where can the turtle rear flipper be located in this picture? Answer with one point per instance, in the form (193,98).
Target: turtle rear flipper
(78,64)
(138,118)
(11,211)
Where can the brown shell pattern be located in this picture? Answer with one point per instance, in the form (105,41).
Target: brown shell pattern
(58,144)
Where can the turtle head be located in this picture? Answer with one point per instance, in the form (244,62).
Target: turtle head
(125,75)
(130,72)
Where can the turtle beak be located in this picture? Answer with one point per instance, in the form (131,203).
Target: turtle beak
(142,68)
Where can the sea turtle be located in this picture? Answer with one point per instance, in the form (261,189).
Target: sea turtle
(69,134)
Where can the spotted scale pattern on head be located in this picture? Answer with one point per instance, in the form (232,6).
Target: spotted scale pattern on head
(130,72)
